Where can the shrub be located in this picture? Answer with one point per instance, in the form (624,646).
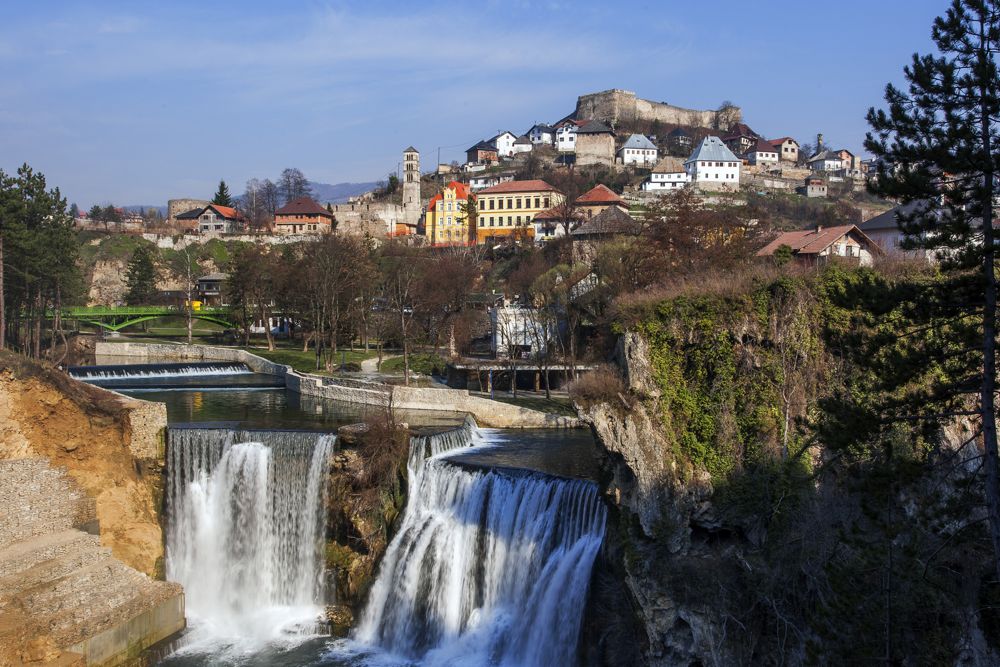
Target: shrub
(602,385)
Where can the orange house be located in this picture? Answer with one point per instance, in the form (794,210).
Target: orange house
(302,216)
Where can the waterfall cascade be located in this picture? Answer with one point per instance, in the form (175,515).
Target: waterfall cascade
(157,370)
(488,568)
(246,527)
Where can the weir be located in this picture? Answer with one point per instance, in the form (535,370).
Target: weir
(165,370)
(246,518)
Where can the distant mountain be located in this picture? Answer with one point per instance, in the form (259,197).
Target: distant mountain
(138,207)
(340,192)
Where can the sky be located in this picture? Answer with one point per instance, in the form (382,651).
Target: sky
(139,102)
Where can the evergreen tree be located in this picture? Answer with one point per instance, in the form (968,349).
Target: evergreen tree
(96,213)
(937,145)
(38,257)
(140,277)
(222,197)
(74,211)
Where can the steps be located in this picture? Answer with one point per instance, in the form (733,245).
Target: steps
(64,599)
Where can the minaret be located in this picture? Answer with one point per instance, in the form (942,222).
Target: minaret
(411,185)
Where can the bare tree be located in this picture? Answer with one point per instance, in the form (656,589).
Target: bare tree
(293,184)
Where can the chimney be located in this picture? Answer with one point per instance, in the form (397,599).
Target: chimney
(819,228)
(819,143)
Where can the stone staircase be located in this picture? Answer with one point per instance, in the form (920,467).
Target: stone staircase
(64,599)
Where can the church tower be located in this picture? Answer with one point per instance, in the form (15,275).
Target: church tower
(411,185)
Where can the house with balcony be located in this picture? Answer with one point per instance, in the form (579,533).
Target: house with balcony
(302,216)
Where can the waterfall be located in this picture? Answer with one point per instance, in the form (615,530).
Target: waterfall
(423,447)
(488,568)
(157,370)
(246,513)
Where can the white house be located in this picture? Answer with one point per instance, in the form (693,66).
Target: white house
(517,332)
(712,166)
(763,153)
(668,174)
(638,149)
(566,135)
(488,180)
(542,134)
(504,143)
(826,161)
(523,145)
(788,149)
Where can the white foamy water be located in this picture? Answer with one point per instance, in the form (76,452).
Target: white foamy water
(156,371)
(245,534)
(487,569)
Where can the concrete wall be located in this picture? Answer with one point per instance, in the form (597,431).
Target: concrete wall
(493,414)
(123,643)
(622,105)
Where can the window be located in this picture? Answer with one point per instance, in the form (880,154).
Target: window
(518,219)
(546,200)
(509,220)
(491,204)
(500,204)
(518,203)
(510,204)
(536,202)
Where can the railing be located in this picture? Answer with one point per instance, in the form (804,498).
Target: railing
(128,311)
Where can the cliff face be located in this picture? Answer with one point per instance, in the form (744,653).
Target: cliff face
(736,535)
(80,539)
(108,445)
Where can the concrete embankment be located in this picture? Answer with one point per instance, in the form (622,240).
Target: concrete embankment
(493,414)
(81,547)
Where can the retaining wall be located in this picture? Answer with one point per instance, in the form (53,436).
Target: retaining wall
(489,413)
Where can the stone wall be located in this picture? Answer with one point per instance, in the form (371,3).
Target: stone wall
(375,219)
(81,544)
(177,206)
(618,105)
(595,149)
(493,414)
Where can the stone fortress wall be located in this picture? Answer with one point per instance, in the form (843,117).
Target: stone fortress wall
(617,105)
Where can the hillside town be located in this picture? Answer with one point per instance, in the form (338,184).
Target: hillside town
(636,385)
(526,186)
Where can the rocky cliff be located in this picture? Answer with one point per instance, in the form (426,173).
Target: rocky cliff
(110,445)
(738,536)
(81,546)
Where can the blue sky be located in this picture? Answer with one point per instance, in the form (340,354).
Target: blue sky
(139,102)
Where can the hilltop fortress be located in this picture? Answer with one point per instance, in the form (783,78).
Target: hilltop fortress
(616,105)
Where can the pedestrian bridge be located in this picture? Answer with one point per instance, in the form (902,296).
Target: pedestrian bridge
(115,319)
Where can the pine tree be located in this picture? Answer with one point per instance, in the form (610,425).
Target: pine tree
(140,277)
(222,196)
(937,148)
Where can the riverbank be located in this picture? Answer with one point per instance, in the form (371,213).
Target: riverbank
(81,545)
(489,413)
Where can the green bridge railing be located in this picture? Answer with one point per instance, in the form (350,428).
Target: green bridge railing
(117,318)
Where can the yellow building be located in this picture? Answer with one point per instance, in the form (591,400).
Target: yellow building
(510,208)
(446,220)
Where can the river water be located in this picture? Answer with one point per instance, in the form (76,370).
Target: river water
(490,563)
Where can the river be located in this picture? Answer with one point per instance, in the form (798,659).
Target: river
(490,563)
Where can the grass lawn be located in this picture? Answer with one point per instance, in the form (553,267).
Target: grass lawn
(419,363)
(306,361)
